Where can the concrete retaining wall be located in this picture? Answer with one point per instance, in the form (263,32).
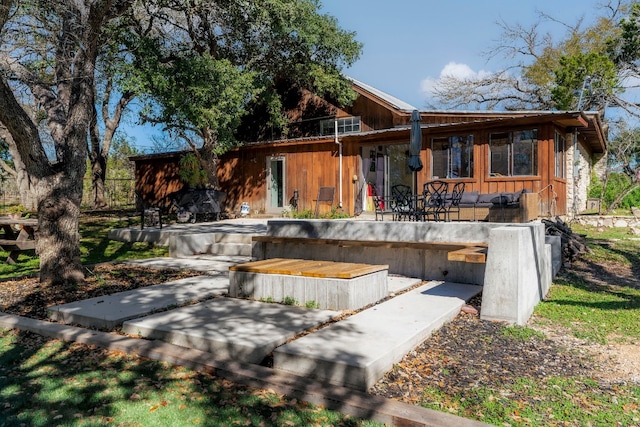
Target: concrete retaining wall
(517,275)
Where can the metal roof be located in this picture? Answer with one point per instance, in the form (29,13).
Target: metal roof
(392,100)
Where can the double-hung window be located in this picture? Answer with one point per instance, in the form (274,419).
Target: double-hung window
(452,157)
(513,153)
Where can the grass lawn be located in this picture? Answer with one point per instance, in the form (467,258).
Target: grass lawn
(95,247)
(47,382)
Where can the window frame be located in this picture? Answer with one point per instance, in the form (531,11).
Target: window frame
(560,155)
(352,123)
(464,140)
(506,161)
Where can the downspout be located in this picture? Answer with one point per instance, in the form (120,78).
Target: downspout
(339,164)
(575,172)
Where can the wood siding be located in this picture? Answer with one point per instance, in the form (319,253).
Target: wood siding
(312,161)
(243,175)
(156,179)
(311,165)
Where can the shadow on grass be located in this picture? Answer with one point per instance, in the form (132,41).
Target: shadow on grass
(47,382)
(617,264)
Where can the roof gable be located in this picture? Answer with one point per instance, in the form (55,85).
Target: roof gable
(383,97)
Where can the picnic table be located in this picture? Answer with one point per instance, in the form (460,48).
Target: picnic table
(16,240)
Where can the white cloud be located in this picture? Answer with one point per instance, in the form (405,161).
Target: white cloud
(451,70)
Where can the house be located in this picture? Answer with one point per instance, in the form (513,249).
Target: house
(364,149)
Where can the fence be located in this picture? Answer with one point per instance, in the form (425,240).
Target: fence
(9,194)
(119,193)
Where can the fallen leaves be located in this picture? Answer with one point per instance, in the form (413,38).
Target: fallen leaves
(28,297)
(468,353)
(158,405)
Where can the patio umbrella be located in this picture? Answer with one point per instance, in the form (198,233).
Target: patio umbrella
(415,145)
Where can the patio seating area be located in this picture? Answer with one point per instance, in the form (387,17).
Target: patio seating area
(441,201)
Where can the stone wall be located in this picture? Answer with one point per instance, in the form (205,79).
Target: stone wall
(632,222)
(580,169)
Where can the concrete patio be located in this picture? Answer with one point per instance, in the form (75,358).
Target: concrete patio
(357,351)
(354,352)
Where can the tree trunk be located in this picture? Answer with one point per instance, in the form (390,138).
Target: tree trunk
(624,193)
(98,178)
(209,159)
(209,162)
(58,242)
(24,182)
(99,153)
(68,100)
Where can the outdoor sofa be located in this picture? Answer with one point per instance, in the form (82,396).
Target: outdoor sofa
(518,206)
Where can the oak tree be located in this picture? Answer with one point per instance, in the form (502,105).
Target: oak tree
(48,56)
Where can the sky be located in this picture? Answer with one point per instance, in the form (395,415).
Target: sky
(408,43)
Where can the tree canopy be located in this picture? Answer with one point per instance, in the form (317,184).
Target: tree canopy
(546,73)
(198,66)
(211,63)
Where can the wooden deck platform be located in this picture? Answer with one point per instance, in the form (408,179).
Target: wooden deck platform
(309,268)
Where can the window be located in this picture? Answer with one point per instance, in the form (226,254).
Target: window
(560,152)
(345,125)
(452,157)
(513,153)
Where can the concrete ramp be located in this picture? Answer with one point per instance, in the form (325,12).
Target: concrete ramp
(230,328)
(359,350)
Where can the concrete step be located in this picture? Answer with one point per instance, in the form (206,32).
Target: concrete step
(110,311)
(231,244)
(228,244)
(359,350)
(354,352)
(211,264)
(233,249)
(232,238)
(230,328)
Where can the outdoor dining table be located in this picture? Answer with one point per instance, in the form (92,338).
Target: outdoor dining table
(18,239)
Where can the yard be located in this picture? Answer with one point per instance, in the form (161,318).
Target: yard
(576,363)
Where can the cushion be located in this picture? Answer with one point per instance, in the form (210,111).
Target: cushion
(469,198)
(486,198)
(502,199)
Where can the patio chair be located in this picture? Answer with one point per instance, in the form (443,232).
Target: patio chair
(151,216)
(382,207)
(434,194)
(403,206)
(452,201)
(325,195)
